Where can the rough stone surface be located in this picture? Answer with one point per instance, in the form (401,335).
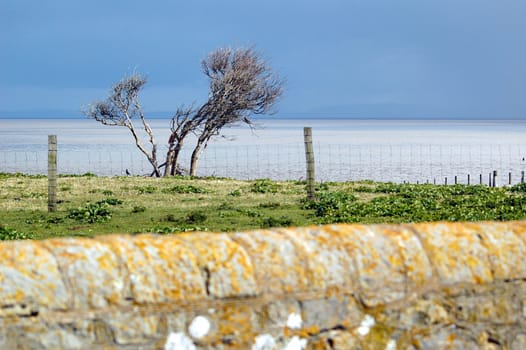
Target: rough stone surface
(329,265)
(226,268)
(378,262)
(280,266)
(159,269)
(90,270)
(456,252)
(420,286)
(30,280)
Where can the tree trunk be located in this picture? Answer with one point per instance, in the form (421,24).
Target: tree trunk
(168,161)
(172,158)
(195,157)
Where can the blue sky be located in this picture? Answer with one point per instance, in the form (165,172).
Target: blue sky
(341,58)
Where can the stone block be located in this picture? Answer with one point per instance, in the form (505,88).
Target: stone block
(225,266)
(456,253)
(378,262)
(132,328)
(330,312)
(505,249)
(448,338)
(279,264)
(273,316)
(498,309)
(30,280)
(159,269)
(91,272)
(329,265)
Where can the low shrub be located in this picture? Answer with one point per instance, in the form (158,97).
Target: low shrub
(10,234)
(264,186)
(91,213)
(138,209)
(276,222)
(146,189)
(184,189)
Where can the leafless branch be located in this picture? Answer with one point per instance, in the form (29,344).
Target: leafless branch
(121,107)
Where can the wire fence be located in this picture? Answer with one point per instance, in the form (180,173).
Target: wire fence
(413,163)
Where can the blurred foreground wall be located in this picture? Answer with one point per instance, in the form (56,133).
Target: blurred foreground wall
(421,286)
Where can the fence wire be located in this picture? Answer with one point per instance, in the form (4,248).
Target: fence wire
(334,162)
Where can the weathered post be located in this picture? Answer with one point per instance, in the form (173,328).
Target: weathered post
(522,177)
(309,155)
(495,176)
(509,178)
(469,182)
(480,179)
(52,173)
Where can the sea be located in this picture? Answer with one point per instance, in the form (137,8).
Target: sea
(389,150)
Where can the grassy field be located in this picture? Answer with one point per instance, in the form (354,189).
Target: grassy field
(90,205)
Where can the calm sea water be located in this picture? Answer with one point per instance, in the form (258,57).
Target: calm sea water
(383,150)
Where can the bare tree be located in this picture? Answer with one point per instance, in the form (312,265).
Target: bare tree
(120,108)
(241,85)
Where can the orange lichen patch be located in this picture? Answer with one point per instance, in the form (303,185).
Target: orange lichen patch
(278,263)
(329,266)
(160,269)
(412,258)
(456,252)
(506,251)
(519,229)
(378,262)
(30,280)
(238,323)
(225,266)
(91,270)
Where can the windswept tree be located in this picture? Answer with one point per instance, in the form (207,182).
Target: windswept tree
(241,85)
(121,108)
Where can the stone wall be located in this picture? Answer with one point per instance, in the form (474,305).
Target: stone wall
(421,286)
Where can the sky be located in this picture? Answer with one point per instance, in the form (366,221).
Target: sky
(340,58)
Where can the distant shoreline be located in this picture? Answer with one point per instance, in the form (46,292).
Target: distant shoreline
(285,117)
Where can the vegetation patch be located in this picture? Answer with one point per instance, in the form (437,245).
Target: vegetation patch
(281,221)
(91,213)
(264,186)
(146,189)
(10,234)
(184,189)
(417,203)
(87,210)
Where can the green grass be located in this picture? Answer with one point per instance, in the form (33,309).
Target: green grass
(90,205)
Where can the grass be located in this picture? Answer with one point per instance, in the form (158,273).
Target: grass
(90,205)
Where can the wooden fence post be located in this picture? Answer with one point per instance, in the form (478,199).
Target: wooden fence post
(52,173)
(522,177)
(309,155)
(495,176)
